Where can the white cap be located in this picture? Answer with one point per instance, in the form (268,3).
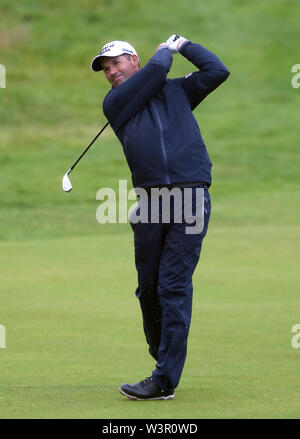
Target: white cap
(114,48)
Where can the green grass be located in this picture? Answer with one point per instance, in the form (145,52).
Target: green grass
(73,323)
(74,329)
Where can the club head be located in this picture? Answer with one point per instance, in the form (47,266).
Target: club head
(66,184)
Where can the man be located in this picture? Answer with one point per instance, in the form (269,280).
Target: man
(152,117)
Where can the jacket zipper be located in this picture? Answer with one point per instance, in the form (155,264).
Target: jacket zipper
(162,141)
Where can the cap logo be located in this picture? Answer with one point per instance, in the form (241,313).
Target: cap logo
(107,48)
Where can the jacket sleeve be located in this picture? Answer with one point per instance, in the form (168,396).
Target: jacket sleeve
(212,72)
(123,102)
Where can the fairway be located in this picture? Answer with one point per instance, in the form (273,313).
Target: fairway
(74,331)
(73,324)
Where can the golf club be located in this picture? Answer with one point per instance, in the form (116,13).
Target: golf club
(66,183)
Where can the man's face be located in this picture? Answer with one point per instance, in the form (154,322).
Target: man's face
(118,69)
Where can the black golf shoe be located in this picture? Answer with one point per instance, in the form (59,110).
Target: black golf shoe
(145,390)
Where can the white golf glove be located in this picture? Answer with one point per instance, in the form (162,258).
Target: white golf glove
(173,41)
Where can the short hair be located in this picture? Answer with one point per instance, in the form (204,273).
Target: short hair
(128,56)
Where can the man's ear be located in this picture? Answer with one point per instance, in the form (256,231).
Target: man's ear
(135,60)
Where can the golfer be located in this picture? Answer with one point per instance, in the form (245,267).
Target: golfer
(152,117)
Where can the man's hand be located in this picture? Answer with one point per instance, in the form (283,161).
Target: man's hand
(175,42)
(162,45)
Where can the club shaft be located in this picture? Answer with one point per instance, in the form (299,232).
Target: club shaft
(88,147)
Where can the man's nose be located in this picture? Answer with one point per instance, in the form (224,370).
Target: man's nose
(113,70)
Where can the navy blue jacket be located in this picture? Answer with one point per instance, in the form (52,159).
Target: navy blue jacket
(152,117)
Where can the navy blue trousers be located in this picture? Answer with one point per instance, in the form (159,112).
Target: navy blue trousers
(166,257)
